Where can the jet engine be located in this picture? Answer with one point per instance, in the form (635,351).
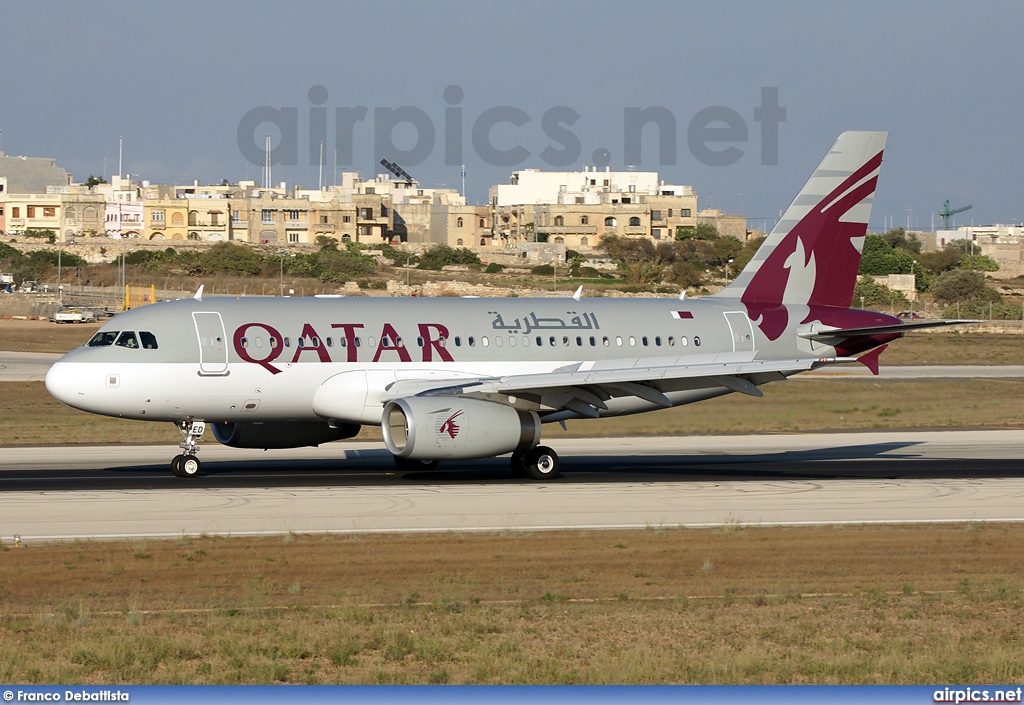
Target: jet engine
(281,434)
(450,428)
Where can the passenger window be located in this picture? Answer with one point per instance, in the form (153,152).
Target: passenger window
(315,342)
(258,340)
(511,341)
(683,341)
(605,341)
(472,341)
(273,342)
(442,341)
(551,340)
(244,342)
(644,340)
(419,341)
(540,342)
(103,338)
(302,342)
(696,341)
(592,341)
(371,341)
(618,340)
(565,341)
(526,341)
(671,341)
(497,340)
(458,342)
(632,342)
(484,341)
(127,339)
(343,342)
(359,342)
(385,341)
(657,340)
(148,340)
(579,342)
(330,342)
(287,342)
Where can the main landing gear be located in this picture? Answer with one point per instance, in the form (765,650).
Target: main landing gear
(187,464)
(539,463)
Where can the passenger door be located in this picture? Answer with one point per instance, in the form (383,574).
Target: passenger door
(213,347)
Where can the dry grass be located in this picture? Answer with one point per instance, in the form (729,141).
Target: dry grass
(759,605)
(43,336)
(36,418)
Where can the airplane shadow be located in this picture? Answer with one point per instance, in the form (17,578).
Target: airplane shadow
(368,468)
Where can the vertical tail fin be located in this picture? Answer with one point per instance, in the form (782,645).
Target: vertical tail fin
(812,256)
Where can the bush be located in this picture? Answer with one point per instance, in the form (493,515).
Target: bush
(494,268)
(543,270)
(441,255)
(870,294)
(962,285)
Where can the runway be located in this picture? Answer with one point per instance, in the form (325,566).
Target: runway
(71,492)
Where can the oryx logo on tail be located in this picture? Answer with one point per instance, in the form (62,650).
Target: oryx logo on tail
(812,256)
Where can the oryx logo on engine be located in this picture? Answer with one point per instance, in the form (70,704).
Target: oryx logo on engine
(449,426)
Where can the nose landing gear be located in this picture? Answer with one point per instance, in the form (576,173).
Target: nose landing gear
(187,464)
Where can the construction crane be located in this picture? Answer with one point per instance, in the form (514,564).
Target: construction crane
(946,213)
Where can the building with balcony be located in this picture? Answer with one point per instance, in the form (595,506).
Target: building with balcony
(577,209)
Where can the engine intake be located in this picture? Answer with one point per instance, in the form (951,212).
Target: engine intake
(450,428)
(281,434)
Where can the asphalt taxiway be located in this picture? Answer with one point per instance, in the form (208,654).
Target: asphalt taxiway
(60,493)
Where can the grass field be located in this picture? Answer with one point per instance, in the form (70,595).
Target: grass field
(739,605)
(35,418)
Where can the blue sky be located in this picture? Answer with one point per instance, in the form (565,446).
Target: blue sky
(175,79)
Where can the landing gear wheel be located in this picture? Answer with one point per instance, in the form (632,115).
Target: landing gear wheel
(176,465)
(518,463)
(542,463)
(407,465)
(190,466)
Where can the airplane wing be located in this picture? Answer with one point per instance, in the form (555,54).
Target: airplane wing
(585,391)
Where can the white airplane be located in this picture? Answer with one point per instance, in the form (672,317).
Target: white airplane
(451,379)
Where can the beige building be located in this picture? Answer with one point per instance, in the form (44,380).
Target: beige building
(577,209)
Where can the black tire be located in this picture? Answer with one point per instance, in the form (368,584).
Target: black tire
(176,465)
(408,465)
(518,463)
(190,466)
(542,463)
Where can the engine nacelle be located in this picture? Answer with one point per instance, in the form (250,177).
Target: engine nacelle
(281,434)
(450,428)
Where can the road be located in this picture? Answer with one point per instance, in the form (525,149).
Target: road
(70,492)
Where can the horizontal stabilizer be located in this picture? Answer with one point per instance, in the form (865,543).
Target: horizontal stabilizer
(831,333)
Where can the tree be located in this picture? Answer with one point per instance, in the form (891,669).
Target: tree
(880,258)
(898,238)
(962,285)
(94,181)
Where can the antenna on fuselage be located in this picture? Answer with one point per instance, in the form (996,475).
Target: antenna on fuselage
(682,295)
(199,294)
(579,293)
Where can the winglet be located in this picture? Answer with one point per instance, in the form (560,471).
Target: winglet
(199,294)
(870,360)
(579,292)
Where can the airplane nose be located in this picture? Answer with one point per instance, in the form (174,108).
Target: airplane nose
(64,382)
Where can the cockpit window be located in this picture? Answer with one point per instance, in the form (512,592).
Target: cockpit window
(103,338)
(148,340)
(127,339)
